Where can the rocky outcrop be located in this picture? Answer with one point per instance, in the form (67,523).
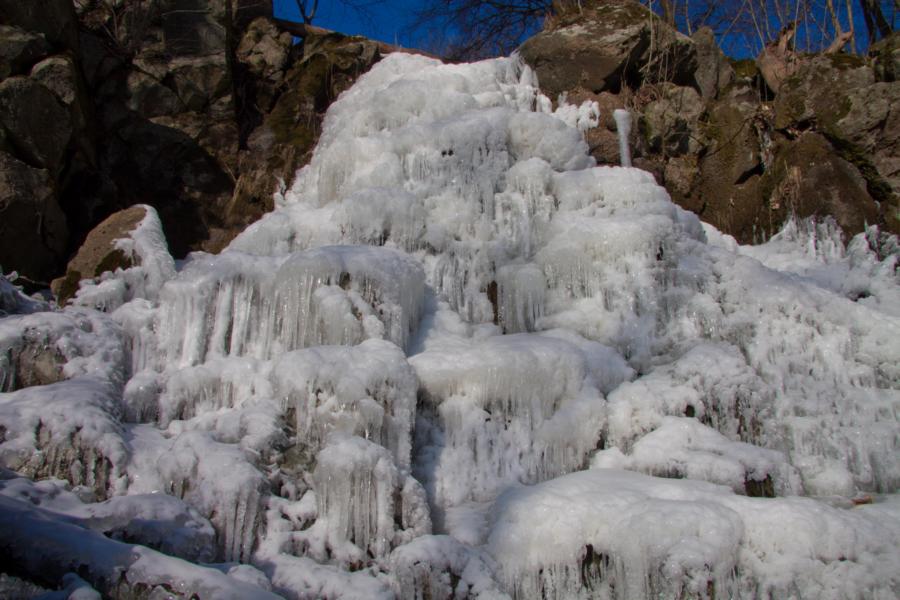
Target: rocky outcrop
(194,107)
(605,45)
(738,143)
(99,253)
(33,232)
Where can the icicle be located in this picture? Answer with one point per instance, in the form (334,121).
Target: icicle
(623,126)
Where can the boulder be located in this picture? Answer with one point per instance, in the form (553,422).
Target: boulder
(19,49)
(99,252)
(605,45)
(32,225)
(669,122)
(730,170)
(36,122)
(714,72)
(808,178)
(838,96)
(59,75)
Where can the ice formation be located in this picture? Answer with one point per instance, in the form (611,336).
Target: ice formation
(459,360)
(623,126)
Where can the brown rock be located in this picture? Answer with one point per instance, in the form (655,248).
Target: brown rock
(808,178)
(607,45)
(33,232)
(669,122)
(886,57)
(99,253)
(714,72)
(730,171)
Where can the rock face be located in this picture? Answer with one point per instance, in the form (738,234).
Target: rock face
(30,218)
(99,253)
(194,107)
(723,143)
(605,45)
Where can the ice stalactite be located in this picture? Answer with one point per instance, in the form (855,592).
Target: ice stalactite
(623,126)
(367,391)
(244,305)
(510,409)
(215,478)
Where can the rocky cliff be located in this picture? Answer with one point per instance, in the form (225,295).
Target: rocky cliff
(711,130)
(195,107)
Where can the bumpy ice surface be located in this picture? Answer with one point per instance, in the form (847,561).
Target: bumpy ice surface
(460,360)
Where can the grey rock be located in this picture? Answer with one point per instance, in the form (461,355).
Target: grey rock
(714,72)
(607,45)
(36,122)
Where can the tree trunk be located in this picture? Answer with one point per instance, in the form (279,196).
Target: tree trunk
(876,24)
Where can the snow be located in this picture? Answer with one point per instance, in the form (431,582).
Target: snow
(460,360)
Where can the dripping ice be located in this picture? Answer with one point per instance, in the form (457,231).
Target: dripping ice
(460,359)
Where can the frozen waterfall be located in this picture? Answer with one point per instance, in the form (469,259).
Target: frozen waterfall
(460,360)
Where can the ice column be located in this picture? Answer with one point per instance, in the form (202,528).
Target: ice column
(623,126)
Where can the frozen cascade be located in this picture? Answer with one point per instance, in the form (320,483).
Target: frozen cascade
(240,305)
(459,360)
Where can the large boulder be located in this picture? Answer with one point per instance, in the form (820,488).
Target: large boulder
(603,45)
(808,178)
(33,232)
(839,97)
(35,121)
(100,253)
(714,72)
(728,193)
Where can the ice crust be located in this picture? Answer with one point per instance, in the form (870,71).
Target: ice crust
(459,360)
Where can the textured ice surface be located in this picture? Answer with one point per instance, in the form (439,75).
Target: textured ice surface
(459,360)
(611,533)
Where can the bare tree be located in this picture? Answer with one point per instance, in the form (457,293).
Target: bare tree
(469,29)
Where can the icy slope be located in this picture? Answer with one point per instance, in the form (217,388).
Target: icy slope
(459,360)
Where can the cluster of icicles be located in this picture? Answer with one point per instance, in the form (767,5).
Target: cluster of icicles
(460,360)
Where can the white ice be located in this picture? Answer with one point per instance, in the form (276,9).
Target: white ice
(459,359)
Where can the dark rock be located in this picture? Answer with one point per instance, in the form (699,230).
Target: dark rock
(808,178)
(838,96)
(19,49)
(730,169)
(885,55)
(37,124)
(607,45)
(32,225)
(714,72)
(58,74)
(53,18)
(99,254)
(669,121)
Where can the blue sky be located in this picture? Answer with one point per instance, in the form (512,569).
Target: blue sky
(390,21)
